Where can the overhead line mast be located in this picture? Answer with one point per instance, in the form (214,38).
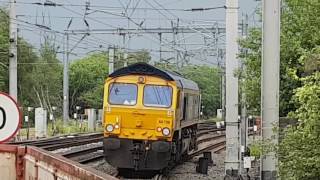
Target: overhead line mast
(232,163)
(66,81)
(13,55)
(270,83)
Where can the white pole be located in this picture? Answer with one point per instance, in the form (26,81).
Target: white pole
(223,92)
(270,82)
(125,53)
(125,57)
(13,74)
(66,83)
(111,59)
(232,122)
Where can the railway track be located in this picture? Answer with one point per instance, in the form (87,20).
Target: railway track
(203,132)
(81,155)
(59,142)
(85,155)
(215,147)
(75,153)
(36,142)
(93,157)
(209,125)
(209,139)
(52,147)
(96,153)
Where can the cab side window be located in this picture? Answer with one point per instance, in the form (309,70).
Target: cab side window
(185,106)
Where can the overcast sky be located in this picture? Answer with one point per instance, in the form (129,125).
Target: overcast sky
(108,14)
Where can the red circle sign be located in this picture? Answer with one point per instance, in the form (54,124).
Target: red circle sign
(10,117)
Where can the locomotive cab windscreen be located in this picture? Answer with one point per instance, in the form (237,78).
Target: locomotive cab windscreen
(123,94)
(157,96)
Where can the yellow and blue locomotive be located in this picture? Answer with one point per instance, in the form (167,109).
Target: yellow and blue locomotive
(150,117)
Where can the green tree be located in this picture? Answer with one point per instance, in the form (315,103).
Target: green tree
(47,78)
(87,77)
(4,50)
(208,80)
(252,73)
(133,57)
(140,56)
(299,35)
(88,74)
(28,63)
(299,86)
(27,59)
(311,61)
(300,149)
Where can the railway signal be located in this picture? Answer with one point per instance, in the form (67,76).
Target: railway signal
(10,117)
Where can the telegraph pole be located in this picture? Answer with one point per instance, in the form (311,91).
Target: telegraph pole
(66,82)
(111,59)
(270,83)
(13,56)
(232,123)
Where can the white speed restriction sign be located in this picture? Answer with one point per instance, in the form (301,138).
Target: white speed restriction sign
(10,117)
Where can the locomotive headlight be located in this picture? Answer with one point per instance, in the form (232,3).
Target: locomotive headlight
(117,126)
(166,131)
(109,128)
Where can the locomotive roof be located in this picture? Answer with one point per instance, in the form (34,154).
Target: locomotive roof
(146,69)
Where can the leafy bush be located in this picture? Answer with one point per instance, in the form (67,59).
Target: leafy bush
(299,151)
(71,127)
